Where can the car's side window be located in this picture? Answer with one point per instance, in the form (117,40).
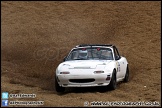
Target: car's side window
(116,54)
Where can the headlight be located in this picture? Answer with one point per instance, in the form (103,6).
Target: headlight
(64,72)
(98,72)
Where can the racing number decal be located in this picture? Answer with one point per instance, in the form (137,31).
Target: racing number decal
(118,66)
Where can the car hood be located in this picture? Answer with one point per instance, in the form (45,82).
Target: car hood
(85,64)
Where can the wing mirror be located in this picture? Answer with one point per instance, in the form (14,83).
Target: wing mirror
(117,57)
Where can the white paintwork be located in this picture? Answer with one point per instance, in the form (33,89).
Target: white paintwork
(83,69)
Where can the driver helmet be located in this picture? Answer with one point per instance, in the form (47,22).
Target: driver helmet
(83,54)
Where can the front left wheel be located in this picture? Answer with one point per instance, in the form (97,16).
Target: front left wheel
(58,87)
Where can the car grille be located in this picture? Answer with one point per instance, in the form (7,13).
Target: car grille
(82,80)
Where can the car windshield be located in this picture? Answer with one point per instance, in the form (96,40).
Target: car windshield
(90,54)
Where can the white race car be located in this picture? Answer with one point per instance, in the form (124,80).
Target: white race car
(92,65)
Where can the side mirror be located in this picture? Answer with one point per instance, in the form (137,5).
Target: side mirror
(117,57)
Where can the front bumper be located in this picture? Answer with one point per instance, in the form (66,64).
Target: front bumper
(99,80)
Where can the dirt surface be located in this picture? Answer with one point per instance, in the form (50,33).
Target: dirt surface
(35,36)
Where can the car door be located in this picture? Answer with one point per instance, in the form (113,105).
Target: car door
(119,63)
(122,66)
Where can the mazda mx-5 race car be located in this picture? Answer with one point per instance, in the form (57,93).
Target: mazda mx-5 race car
(92,65)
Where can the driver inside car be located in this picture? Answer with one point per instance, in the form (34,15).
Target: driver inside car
(83,54)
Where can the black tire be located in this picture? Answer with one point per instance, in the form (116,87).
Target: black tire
(58,87)
(126,78)
(113,83)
